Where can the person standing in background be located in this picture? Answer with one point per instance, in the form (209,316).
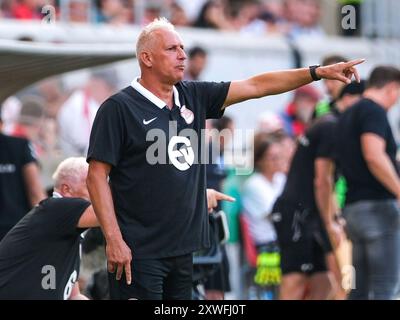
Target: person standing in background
(20,185)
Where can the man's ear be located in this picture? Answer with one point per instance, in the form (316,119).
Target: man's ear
(146,59)
(65,190)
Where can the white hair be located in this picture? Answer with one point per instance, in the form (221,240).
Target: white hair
(70,170)
(144,36)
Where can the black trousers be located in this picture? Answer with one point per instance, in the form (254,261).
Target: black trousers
(156,279)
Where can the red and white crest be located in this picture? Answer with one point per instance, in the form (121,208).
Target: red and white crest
(187,114)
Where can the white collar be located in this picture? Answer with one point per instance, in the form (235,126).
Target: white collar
(151,96)
(56,195)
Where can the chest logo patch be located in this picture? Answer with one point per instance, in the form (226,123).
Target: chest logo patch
(182,158)
(146,122)
(187,114)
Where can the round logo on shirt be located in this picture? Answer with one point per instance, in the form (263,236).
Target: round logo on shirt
(187,114)
(182,158)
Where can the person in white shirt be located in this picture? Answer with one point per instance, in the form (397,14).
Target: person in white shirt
(262,189)
(77,114)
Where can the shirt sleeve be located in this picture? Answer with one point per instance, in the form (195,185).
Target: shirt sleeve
(62,215)
(107,135)
(373,120)
(326,142)
(213,95)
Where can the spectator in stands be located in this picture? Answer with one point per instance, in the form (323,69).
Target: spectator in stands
(152,10)
(196,63)
(178,15)
(20,186)
(269,19)
(76,116)
(112,12)
(79,11)
(299,112)
(214,15)
(303,17)
(26,10)
(243,13)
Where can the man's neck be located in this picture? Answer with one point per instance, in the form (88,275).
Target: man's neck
(162,91)
(377,97)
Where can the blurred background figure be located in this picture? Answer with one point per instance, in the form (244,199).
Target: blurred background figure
(288,149)
(303,17)
(10,110)
(27,9)
(259,194)
(76,116)
(333,88)
(54,94)
(113,12)
(79,11)
(20,186)
(196,63)
(178,15)
(299,111)
(269,122)
(30,121)
(214,15)
(220,135)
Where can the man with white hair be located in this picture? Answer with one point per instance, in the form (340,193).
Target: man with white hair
(150,198)
(40,256)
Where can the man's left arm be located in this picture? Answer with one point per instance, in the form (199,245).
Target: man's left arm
(276,82)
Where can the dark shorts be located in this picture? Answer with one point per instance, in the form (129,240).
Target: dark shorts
(156,279)
(302,238)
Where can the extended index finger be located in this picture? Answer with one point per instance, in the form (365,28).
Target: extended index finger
(223,196)
(353,63)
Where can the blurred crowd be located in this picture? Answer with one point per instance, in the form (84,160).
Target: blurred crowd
(288,17)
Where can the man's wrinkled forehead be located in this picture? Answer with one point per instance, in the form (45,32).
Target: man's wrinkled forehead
(165,37)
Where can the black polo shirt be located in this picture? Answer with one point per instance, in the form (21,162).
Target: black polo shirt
(158,187)
(40,256)
(317,142)
(365,116)
(15,153)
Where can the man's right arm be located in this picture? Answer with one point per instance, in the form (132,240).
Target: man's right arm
(118,253)
(373,148)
